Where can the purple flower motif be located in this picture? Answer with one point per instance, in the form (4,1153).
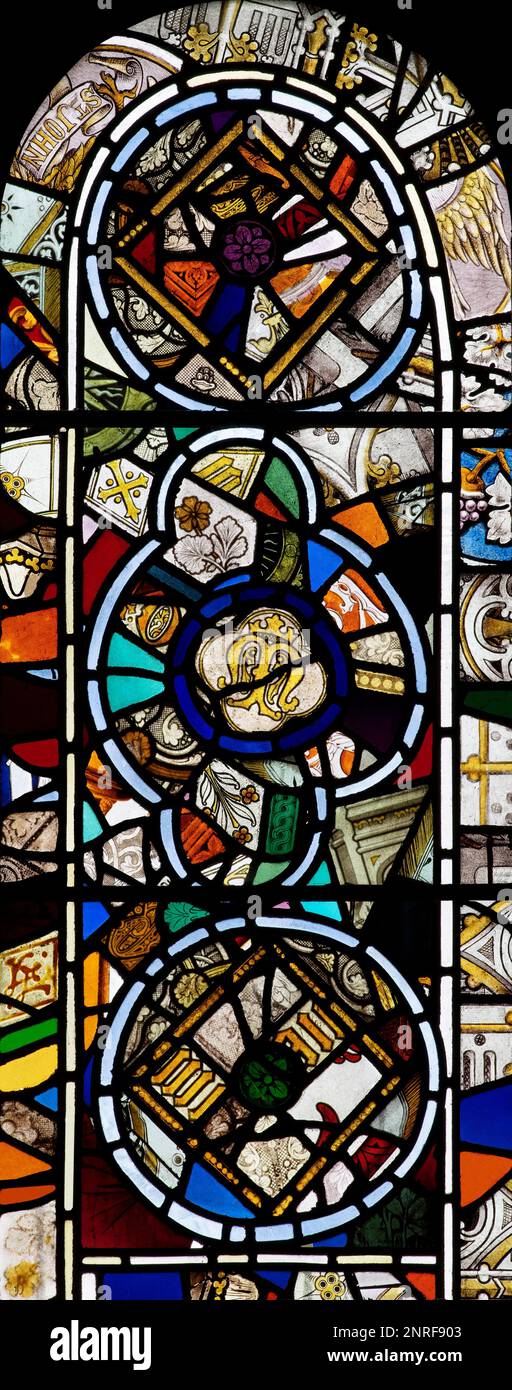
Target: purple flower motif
(248,248)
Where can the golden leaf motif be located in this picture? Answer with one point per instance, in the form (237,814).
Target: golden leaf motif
(109,89)
(189,988)
(22,1280)
(63,175)
(242,49)
(30,562)
(384,471)
(200,42)
(360,35)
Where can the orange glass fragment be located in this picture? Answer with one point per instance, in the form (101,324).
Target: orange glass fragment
(21,1196)
(308,281)
(365,521)
(15,1163)
(424,1283)
(192,282)
(29,636)
(353,604)
(480,1172)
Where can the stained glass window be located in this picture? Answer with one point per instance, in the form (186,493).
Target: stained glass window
(256,649)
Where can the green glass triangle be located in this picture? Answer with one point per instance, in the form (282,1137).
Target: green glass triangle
(322,876)
(267,871)
(320,909)
(92,826)
(279,479)
(123,652)
(132,690)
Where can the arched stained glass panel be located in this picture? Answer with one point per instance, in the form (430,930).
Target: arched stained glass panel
(255,340)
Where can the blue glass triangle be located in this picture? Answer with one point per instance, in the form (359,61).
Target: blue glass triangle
(10,345)
(207,1192)
(280,1277)
(88,1082)
(232,339)
(143,1288)
(486,1118)
(334,1241)
(49,1098)
(323,564)
(94,915)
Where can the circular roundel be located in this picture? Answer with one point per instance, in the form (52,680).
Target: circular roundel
(269,676)
(249,232)
(229,676)
(272,1087)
